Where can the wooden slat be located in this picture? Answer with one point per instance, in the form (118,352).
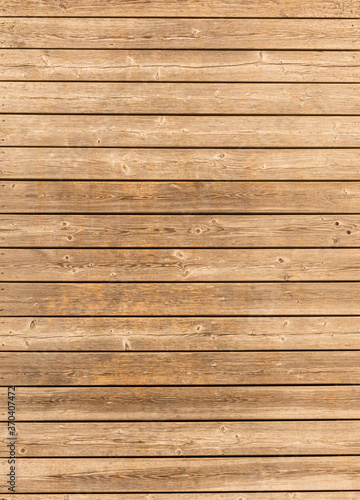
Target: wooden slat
(179,164)
(180,265)
(179,197)
(179,65)
(183,403)
(180,131)
(180,231)
(169,439)
(173,8)
(132,33)
(328,495)
(180,98)
(184,474)
(173,299)
(179,334)
(180,368)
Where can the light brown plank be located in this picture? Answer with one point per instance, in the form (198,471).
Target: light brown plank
(344,495)
(179,65)
(183,403)
(151,439)
(180,368)
(179,164)
(173,8)
(141,33)
(179,334)
(180,265)
(180,98)
(180,131)
(174,299)
(180,231)
(184,474)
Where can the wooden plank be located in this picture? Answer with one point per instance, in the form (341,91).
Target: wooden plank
(179,197)
(179,231)
(184,474)
(179,164)
(180,131)
(180,65)
(151,439)
(174,299)
(180,33)
(179,334)
(180,265)
(179,368)
(173,8)
(180,98)
(344,495)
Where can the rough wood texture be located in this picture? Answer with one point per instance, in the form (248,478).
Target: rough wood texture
(184,403)
(180,65)
(179,334)
(195,368)
(184,474)
(151,439)
(173,299)
(180,265)
(141,33)
(179,164)
(180,98)
(345,495)
(180,231)
(180,131)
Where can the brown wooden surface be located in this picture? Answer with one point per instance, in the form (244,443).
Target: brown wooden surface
(314,495)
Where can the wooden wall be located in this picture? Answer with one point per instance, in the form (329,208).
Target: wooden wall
(180,249)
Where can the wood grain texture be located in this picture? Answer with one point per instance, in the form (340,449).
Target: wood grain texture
(169,368)
(180,131)
(173,8)
(180,231)
(180,33)
(179,164)
(185,474)
(315,495)
(159,439)
(180,265)
(180,65)
(179,334)
(174,299)
(180,98)
(183,403)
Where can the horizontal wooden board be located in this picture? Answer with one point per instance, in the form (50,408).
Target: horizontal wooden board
(180,265)
(180,231)
(183,403)
(180,131)
(142,33)
(151,439)
(344,495)
(179,197)
(173,8)
(179,164)
(180,98)
(179,65)
(179,334)
(184,474)
(180,368)
(174,299)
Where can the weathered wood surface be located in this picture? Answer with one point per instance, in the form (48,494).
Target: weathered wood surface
(180,265)
(180,131)
(159,439)
(179,334)
(179,65)
(184,403)
(179,164)
(173,299)
(174,8)
(184,474)
(180,368)
(180,231)
(179,33)
(180,98)
(314,495)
